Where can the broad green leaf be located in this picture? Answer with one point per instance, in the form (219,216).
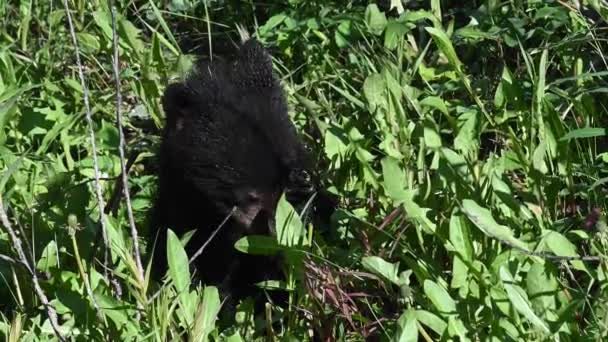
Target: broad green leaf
(102,18)
(432,139)
(541,285)
(258,245)
(271,23)
(179,273)
(482,218)
(407,329)
(561,246)
(290,230)
(129,35)
(445,45)
(435,102)
(467,138)
(88,41)
(394,180)
(460,237)
(375,19)
(382,268)
(117,312)
(49,258)
(432,321)
(440,298)
(394,33)
(509,328)
(374,90)
(336,144)
(519,299)
(456,328)
(417,213)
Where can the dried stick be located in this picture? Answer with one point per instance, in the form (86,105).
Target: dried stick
(100,201)
(121,147)
(23,259)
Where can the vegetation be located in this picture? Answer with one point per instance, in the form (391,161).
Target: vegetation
(466,140)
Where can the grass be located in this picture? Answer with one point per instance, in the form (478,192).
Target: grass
(467,144)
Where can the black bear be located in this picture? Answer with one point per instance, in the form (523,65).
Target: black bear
(228,149)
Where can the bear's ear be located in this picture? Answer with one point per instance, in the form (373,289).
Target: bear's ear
(177,103)
(254,66)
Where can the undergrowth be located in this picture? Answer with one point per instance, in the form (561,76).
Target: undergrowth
(467,144)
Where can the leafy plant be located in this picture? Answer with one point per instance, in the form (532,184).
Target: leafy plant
(467,143)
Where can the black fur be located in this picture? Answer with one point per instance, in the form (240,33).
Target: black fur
(228,142)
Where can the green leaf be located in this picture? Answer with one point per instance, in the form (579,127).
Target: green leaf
(49,258)
(129,35)
(482,218)
(258,245)
(375,19)
(456,328)
(116,311)
(417,213)
(271,23)
(467,138)
(460,237)
(206,314)
(561,246)
(587,132)
(445,45)
(440,298)
(102,18)
(394,33)
(179,273)
(290,230)
(394,180)
(542,285)
(432,321)
(8,105)
(374,92)
(407,329)
(435,102)
(382,268)
(88,42)
(336,144)
(519,299)
(432,139)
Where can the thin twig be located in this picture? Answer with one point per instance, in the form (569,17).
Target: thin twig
(10,260)
(23,259)
(100,201)
(200,250)
(549,256)
(121,147)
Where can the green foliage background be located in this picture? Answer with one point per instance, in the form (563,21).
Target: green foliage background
(467,143)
